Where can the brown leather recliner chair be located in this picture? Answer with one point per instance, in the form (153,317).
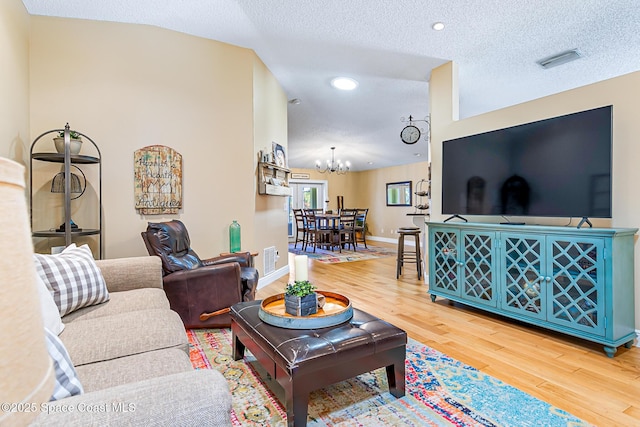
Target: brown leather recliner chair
(200,291)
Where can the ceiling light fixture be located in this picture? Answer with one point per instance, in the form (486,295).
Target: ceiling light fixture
(438,26)
(295,101)
(344,83)
(333,165)
(560,58)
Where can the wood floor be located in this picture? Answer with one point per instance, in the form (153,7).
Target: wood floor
(569,373)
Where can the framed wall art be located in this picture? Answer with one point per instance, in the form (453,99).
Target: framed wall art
(157,180)
(279,157)
(399,193)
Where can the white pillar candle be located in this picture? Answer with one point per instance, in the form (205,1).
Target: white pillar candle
(292,267)
(301,269)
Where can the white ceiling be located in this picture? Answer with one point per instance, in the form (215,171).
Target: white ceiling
(390,48)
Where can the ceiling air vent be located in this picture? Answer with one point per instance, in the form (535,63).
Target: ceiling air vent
(559,59)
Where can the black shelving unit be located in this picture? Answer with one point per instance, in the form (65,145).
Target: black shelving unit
(68,159)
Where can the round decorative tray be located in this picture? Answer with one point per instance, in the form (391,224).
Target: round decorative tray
(337,309)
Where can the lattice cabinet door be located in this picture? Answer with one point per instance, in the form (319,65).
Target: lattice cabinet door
(445,261)
(479,267)
(524,275)
(577,291)
(576,281)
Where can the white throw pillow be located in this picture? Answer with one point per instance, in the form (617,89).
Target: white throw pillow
(73,278)
(67,382)
(50,312)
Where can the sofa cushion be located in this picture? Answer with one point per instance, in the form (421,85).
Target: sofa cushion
(122,302)
(138,367)
(196,398)
(123,334)
(49,309)
(67,382)
(125,274)
(73,278)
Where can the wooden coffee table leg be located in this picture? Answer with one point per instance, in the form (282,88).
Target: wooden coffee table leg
(237,352)
(296,404)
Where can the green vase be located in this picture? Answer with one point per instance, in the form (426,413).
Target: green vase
(234,237)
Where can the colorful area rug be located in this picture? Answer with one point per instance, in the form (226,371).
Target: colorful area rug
(440,391)
(324,255)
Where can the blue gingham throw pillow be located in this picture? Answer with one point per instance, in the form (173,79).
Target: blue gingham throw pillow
(72,276)
(67,382)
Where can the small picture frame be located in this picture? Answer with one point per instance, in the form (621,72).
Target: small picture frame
(279,156)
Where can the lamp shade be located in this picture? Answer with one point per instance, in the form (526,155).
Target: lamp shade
(76,186)
(57,183)
(26,370)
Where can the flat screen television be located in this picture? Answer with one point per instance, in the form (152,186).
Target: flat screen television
(558,167)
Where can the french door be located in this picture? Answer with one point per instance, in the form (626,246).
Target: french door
(306,195)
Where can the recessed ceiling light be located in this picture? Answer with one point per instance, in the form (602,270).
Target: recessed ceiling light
(438,26)
(344,83)
(370,163)
(417,154)
(294,101)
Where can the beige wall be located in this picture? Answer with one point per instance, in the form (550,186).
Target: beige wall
(130,86)
(622,92)
(383,220)
(367,189)
(270,125)
(14,81)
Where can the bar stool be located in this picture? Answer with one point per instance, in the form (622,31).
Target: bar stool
(408,256)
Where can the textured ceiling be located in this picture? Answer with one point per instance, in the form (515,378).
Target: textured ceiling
(390,48)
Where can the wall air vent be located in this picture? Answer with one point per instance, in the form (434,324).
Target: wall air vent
(560,58)
(270,255)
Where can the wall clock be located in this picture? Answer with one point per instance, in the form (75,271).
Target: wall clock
(410,134)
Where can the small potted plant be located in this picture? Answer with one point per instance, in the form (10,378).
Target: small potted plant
(75,142)
(300,298)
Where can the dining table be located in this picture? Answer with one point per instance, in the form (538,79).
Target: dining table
(328,227)
(331,228)
(328,218)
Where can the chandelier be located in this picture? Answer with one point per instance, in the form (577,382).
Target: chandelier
(333,165)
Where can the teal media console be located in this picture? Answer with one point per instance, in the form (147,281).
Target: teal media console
(578,281)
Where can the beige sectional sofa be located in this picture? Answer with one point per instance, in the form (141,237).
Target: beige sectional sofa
(131,355)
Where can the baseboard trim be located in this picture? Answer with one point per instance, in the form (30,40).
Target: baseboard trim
(408,242)
(269,279)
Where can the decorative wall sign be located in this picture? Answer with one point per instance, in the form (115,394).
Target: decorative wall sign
(300,176)
(157,180)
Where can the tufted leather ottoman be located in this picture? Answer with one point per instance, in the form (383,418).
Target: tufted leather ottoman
(303,360)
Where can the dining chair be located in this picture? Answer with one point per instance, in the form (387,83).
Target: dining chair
(361,226)
(309,229)
(301,231)
(347,229)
